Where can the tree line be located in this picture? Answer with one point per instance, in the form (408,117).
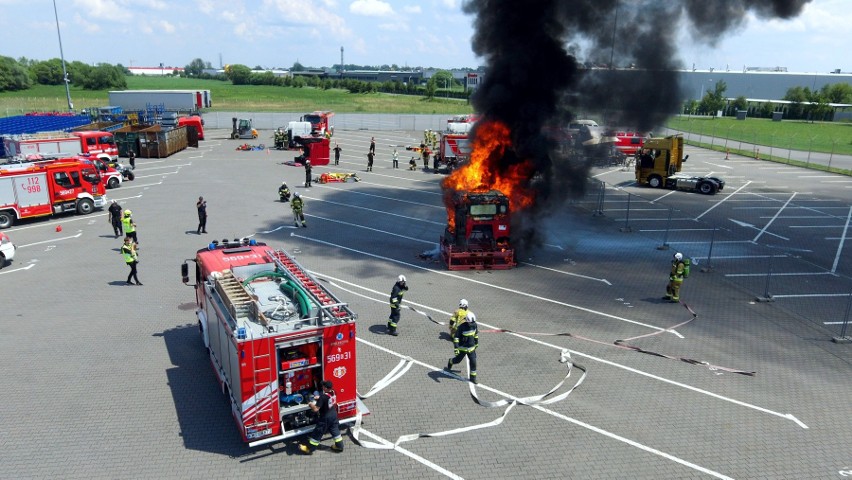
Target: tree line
(805,104)
(23,73)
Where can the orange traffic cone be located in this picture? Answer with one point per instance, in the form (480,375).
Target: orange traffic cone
(59,228)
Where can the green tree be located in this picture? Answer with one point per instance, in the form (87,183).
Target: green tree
(715,100)
(196,67)
(837,93)
(740,103)
(238,74)
(104,76)
(13,75)
(48,72)
(297,67)
(431,88)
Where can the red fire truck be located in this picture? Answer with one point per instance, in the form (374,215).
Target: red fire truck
(273,334)
(41,189)
(74,143)
(454,143)
(320,122)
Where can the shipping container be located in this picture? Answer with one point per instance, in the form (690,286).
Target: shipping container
(171,100)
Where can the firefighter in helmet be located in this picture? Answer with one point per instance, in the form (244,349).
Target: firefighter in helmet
(398,290)
(129,226)
(458,317)
(675,278)
(298,205)
(307,174)
(465,342)
(284,192)
(325,406)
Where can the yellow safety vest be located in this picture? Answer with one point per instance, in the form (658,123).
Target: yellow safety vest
(127,222)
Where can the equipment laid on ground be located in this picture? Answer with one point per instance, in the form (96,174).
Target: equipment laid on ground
(477,236)
(46,188)
(331,177)
(242,129)
(273,333)
(661,160)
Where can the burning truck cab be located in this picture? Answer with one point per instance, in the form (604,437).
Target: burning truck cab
(477,236)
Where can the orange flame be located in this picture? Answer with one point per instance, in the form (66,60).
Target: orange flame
(484,172)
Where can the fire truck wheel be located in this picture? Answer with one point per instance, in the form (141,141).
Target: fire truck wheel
(655,181)
(85,206)
(112,182)
(6,219)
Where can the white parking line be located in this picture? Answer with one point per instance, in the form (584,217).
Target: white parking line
(763,230)
(51,240)
(723,200)
(396,200)
(842,241)
(5,271)
(585,425)
(374,210)
(779,274)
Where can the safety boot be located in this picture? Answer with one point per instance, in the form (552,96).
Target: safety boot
(306,449)
(337,447)
(449,366)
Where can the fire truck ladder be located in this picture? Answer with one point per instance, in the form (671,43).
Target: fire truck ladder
(242,305)
(330,307)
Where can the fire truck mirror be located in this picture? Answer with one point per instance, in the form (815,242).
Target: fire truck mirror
(184,272)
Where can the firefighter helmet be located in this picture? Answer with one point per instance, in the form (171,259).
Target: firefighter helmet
(678,256)
(463,304)
(127,213)
(296,194)
(471,317)
(401,279)
(307,162)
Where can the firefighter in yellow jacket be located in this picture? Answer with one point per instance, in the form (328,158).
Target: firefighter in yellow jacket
(458,317)
(675,278)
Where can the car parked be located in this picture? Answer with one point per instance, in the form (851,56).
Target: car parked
(7,249)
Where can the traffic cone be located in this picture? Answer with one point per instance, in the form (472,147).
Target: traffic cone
(59,228)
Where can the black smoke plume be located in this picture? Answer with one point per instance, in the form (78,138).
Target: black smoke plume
(534,77)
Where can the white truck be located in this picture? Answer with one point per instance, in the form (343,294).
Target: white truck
(170,100)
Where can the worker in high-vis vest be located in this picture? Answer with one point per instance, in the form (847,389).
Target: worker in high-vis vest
(131,258)
(675,278)
(465,342)
(129,226)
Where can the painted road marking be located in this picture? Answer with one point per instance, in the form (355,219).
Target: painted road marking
(723,200)
(603,280)
(763,230)
(842,241)
(79,232)
(5,271)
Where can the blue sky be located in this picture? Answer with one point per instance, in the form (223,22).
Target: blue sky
(436,33)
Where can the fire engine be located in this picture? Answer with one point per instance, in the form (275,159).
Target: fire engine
(41,189)
(660,163)
(477,237)
(320,122)
(273,334)
(454,144)
(629,143)
(88,142)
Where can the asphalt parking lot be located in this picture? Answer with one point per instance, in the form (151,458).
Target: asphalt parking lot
(105,380)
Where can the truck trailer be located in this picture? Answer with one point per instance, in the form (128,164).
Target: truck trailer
(170,100)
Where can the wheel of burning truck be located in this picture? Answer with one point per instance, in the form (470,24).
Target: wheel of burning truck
(112,183)
(6,219)
(655,181)
(85,206)
(707,188)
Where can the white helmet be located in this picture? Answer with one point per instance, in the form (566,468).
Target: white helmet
(463,304)
(678,256)
(296,194)
(471,317)
(401,279)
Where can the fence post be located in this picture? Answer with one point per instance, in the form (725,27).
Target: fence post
(830,157)
(810,148)
(843,338)
(599,211)
(709,267)
(665,245)
(766,296)
(626,227)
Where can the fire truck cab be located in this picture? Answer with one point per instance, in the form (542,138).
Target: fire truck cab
(273,334)
(478,236)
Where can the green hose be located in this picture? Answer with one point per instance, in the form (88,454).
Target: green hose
(289,287)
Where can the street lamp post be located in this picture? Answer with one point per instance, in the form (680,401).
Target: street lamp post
(62,57)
